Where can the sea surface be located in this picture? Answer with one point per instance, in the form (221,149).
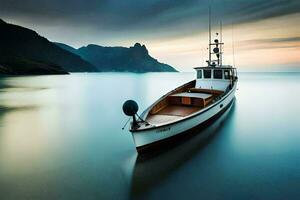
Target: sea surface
(61,137)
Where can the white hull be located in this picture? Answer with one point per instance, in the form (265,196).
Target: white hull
(147,137)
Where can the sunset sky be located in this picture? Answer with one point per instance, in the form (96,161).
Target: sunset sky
(265,33)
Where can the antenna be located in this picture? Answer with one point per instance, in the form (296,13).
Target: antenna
(233,51)
(209,37)
(216,44)
(221,41)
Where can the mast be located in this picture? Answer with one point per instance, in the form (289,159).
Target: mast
(217,50)
(209,35)
(221,41)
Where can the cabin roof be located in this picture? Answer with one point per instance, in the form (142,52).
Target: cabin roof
(223,67)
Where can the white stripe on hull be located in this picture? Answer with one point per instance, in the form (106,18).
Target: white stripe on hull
(146,137)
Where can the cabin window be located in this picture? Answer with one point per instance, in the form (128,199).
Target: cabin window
(207,73)
(218,74)
(226,74)
(199,74)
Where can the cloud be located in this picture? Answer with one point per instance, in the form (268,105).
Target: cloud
(171,29)
(146,15)
(271,43)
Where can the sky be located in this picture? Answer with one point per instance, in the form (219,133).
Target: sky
(263,34)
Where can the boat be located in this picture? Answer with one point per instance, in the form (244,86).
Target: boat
(193,105)
(162,162)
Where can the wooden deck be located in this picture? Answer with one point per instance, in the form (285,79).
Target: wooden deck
(180,103)
(171,113)
(175,110)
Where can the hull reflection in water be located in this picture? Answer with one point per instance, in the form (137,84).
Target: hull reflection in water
(150,169)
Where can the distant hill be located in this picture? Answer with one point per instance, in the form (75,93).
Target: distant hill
(23,51)
(66,47)
(120,59)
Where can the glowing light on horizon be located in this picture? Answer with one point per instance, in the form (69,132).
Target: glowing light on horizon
(260,44)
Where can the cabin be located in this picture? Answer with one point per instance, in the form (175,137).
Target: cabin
(215,78)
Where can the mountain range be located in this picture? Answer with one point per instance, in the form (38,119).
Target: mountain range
(23,51)
(119,59)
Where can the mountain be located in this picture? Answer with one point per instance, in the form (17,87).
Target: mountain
(23,51)
(22,66)
(66,47)
(120,59)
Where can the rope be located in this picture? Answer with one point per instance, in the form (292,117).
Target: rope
(126,123)
(147,123)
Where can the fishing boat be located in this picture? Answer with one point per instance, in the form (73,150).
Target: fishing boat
(191,106)
(163,161)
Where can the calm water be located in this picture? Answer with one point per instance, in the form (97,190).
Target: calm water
(61,138)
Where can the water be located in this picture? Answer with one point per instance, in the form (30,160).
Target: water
(61,138)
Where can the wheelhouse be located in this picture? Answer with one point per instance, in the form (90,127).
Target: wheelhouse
(217,78)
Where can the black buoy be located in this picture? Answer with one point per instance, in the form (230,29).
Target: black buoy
(130,108)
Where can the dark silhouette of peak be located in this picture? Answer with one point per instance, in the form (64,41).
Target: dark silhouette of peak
(23,51)
(121,59)
(139,49)
(25,48)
